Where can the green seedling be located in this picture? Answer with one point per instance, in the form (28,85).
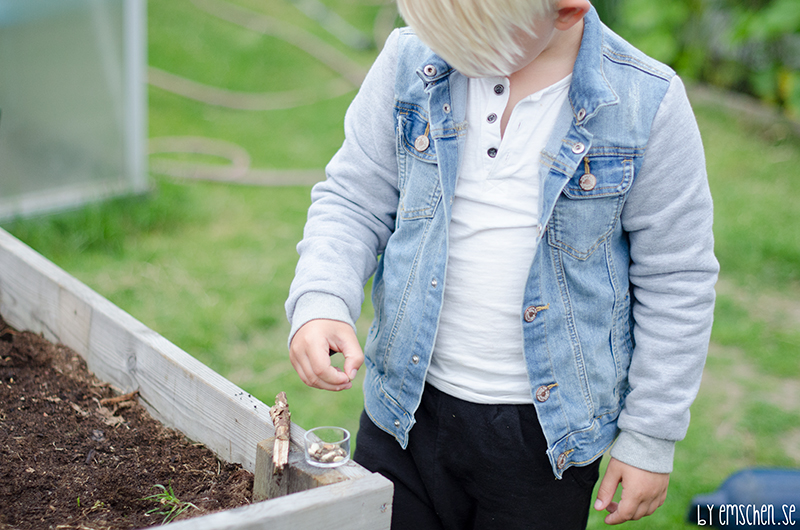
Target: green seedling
(169,505)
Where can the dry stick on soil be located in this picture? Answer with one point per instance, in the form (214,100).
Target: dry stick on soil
(281,420)
(120,399)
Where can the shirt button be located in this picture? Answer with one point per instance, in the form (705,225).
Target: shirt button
(415,359)
(492,152)
(587,182)
(397,423)
(434,283)
(429,70)
(530,313)
(578,148)
(542,394)
(491,118)
(499,89)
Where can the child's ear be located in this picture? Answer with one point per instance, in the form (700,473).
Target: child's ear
(570,12)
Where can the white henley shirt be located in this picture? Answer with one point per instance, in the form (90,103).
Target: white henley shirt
(478,355)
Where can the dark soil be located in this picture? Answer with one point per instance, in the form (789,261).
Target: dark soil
(70,459)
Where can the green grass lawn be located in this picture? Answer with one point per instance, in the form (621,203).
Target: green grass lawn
(209,265)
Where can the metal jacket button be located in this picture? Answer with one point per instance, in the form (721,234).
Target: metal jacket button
(542,394)
(421,143)
(581,114)
(434,283)
(587,182)
(562,460)
(397,423)
(578,148)
(532,311)
(429,70)
(415,359)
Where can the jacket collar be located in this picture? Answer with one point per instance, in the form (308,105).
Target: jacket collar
(432,69)
(590,89)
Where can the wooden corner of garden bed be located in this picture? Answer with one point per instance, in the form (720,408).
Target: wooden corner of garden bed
(184,394)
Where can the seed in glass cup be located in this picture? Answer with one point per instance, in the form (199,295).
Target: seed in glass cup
(326,453)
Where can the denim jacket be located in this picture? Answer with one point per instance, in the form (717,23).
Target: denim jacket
(619,300)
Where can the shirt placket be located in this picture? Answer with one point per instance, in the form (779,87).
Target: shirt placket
(496,98)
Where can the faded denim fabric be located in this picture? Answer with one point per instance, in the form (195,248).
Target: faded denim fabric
(619,301)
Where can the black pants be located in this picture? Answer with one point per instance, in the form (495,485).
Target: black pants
(471,466)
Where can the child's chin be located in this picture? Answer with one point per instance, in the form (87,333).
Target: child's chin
(481,72)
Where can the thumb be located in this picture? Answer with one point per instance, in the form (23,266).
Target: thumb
(608,486)
(353,356)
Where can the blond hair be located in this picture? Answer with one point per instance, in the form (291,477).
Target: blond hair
(480,38)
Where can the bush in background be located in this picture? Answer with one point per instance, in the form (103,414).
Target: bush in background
(751,46)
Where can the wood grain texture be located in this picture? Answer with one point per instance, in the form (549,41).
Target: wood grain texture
(177,390)
(298,475)
(363,504)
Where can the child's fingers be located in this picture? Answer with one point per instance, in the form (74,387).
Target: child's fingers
(642,492)
(309,353)
(353,356)
(608,487)
(315,369)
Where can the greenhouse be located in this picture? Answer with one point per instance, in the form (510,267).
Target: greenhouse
(72,103)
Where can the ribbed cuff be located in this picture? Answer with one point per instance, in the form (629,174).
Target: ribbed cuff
(315,305)
(645,452)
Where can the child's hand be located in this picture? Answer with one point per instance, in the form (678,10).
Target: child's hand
(642,492)
(311,349)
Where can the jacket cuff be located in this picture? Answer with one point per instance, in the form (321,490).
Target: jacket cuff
(318,305)
(645,452)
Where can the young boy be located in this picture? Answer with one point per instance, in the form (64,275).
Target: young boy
(529,191)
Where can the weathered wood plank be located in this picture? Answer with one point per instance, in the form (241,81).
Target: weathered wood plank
(176,389)
(297,476)
(362,504)
(179,391)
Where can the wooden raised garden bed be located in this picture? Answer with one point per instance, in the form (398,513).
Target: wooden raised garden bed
(184,394)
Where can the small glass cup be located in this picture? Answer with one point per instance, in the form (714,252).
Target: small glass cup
(327,446)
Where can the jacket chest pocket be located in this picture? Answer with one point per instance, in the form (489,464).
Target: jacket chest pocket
(588,210)
(420,188)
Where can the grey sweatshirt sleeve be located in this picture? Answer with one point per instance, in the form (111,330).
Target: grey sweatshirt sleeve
(353,211)
(668,216)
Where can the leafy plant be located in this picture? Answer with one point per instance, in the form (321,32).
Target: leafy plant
(169,505)
(748,46)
